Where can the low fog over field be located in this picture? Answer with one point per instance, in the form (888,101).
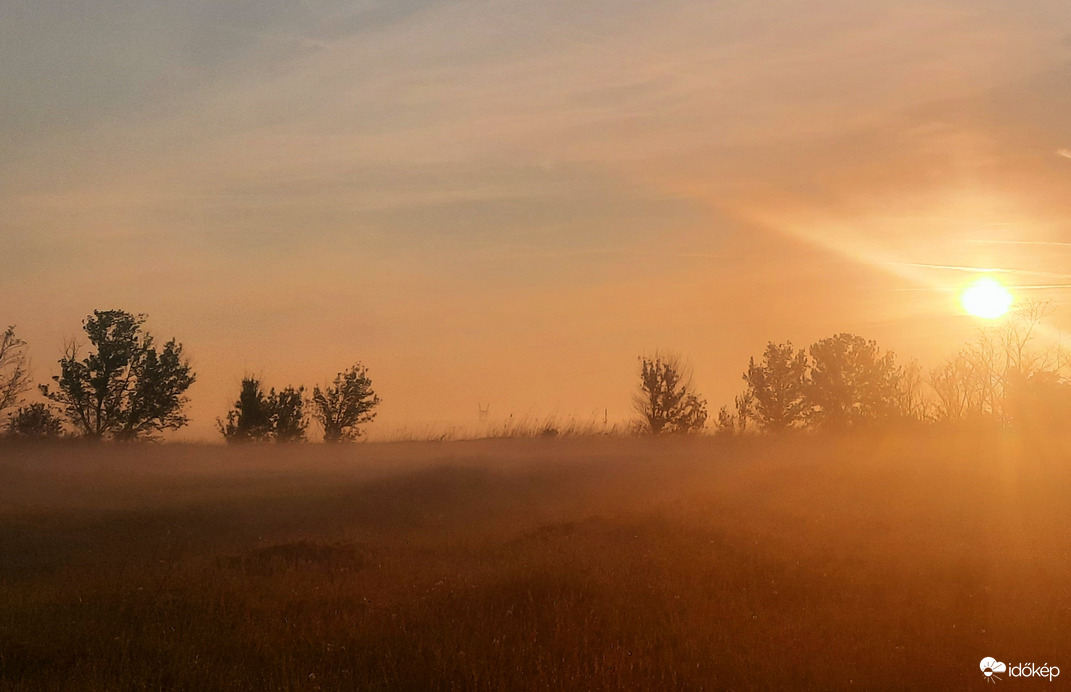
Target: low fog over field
(877,562)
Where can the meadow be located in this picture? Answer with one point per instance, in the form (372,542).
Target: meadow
(853,562)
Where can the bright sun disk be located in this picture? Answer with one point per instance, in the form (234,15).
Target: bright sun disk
(986,298)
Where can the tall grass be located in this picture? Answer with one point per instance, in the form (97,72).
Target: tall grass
(602,563)
(511,427)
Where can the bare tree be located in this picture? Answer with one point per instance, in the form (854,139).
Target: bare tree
(911,401)
(1036,389)
(14,369)
(1002,374)
(666,400)
(1019,332)
(957,383)
(346,404)
(745,409)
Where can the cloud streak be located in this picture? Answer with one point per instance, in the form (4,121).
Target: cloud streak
(979,270)
(1027,243)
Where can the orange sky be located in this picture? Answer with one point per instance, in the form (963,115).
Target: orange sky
(506,202)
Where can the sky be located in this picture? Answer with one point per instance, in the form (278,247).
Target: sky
(505,203)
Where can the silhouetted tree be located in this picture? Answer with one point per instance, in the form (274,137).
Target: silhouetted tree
(1041,399)
(911,401)
(1019,332)
(125,388)
(35,422)
(745,409)
(259,417)
(345,404)
(954,383)
(735,421)
(14,369)
(251,418)
(666,400)
(1000,376)
(851,381)
(775,388)
(726,424)
(288,414)
(1029,385)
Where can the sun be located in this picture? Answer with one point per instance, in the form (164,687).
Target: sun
(986,298)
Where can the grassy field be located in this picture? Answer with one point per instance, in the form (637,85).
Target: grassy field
(604,564)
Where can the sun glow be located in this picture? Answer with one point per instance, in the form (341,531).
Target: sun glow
(986,298)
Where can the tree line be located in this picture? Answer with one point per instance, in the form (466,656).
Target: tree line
(124,385)
(846,381)
(341,408)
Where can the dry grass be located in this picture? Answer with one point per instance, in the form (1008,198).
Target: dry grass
(512,427)
(534,564)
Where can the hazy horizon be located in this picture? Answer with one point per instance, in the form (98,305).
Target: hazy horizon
(506,204)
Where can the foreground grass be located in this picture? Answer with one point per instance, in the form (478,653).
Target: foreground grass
(564,564)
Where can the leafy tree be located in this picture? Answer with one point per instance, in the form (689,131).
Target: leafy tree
(289,421)
(35,422)
(125,388)
(251,418)
(745,409)
(726,424)
(775,396)
(732,423)
(666,400)
(260,417)
(345,404)
(1039,399)
(14,369)
(852,382)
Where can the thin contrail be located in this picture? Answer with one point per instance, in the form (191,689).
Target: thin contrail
(549,251)
(977,270)
(1046,243)
(1014,287)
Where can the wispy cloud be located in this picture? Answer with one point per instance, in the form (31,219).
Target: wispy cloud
(667,153)
(306,41)
(565,252)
